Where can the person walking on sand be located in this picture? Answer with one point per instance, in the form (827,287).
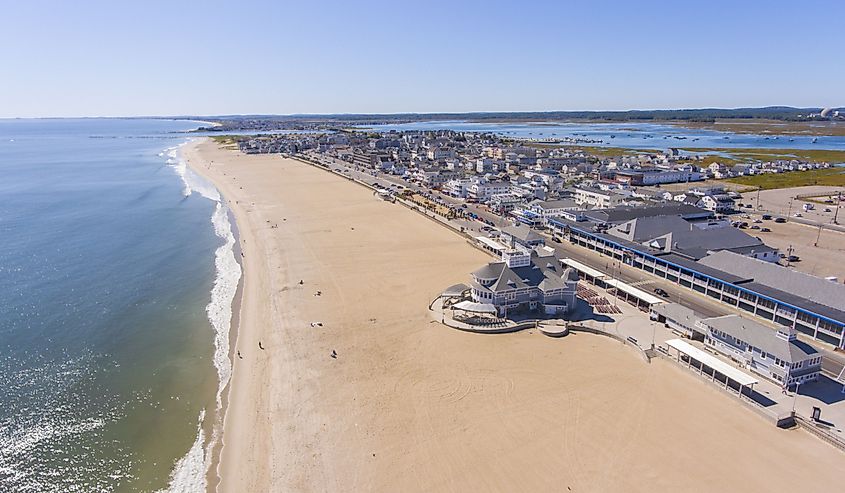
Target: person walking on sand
(239,355)
(260,346)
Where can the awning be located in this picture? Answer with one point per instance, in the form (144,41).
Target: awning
(469,306)
(634,291)
(490,243)
(456,290)
(586,269)
(707,359)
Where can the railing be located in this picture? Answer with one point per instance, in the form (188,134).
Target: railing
(820,433)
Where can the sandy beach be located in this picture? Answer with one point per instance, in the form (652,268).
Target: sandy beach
(410,405)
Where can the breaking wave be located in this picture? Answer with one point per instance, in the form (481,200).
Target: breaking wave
(189,473)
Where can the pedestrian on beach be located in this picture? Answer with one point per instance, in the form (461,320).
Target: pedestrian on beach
(239,355)
(260,346)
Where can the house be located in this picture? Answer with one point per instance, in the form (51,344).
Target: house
(776,355)
(720,202)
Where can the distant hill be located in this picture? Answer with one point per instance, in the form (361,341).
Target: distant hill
(696,115)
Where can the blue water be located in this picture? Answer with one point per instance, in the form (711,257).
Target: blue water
(632,135)
(106,270)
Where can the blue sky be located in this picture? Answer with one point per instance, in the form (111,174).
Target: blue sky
(116,58)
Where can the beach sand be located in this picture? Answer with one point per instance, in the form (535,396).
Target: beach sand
(410,405)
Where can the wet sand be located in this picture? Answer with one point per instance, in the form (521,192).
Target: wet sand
(410,405)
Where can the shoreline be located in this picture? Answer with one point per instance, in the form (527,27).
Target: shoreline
(190,155)
(407,405)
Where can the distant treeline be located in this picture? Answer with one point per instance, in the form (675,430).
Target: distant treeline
(693,115)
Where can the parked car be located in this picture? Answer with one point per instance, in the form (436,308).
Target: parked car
(780,220)
(661,292)
(767,217)
(798,214)
(755,227)
(765,230)
(827,209)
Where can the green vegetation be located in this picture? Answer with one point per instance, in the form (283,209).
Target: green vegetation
(608,152)
(768,181)
(225,140)
(745,155)
(769,127)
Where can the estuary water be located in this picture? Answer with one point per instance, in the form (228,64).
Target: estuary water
(116,282)
(631,135)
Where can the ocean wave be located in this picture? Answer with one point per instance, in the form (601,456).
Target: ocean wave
(189,472)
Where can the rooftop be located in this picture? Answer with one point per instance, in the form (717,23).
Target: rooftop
(761,337)
(622,214)
(781,278)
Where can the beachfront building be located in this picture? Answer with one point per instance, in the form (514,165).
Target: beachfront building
(481,190)
(691,239)
(525,280)
(806,303)
(520,235)
(599,199)
(776,355)
(566,208)
(505,202)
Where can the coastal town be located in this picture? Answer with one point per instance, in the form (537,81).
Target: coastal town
(571,230)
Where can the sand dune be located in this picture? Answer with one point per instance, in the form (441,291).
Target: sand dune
(410,405)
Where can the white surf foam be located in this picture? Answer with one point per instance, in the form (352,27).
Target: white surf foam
(190,471)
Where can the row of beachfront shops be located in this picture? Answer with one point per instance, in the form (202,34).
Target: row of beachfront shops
(813,319)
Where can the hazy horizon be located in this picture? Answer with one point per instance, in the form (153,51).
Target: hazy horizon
(409,113)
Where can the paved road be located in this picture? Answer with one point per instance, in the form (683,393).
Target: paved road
(832,363)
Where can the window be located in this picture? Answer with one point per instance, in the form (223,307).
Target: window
(765,303)
(747,296)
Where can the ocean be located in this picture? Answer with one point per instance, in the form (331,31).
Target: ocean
(117,275)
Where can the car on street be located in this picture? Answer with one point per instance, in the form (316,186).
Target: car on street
(661,292)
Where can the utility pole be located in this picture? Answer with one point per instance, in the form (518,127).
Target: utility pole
(758,198)
(838,201)
(788,254)
(818,236)
(789,210)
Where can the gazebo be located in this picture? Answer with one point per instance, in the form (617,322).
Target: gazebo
(482,312)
